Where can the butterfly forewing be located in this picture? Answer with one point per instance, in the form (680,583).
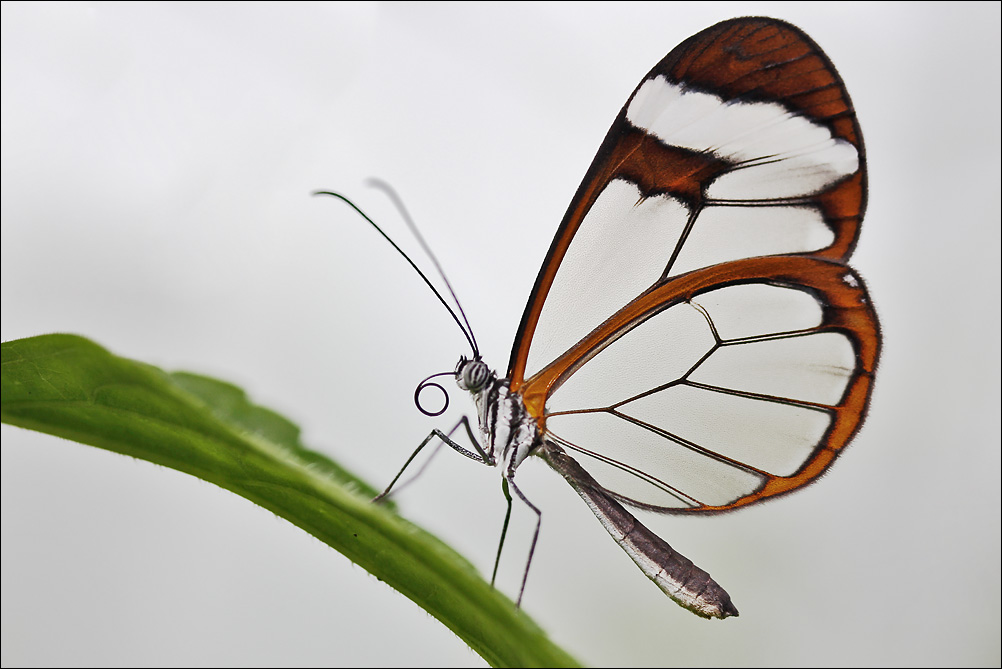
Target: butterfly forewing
(695,335)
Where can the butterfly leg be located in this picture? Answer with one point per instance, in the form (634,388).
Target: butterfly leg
(504,529)
(509,481)
(445,438)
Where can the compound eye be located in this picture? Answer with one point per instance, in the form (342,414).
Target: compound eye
(475,375)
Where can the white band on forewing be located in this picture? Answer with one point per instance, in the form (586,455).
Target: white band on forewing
(777,153)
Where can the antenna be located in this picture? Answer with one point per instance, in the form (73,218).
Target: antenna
(395,198)
(467,330)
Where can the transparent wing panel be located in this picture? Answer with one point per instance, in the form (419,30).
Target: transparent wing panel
(619,251)
(730,232)
(704,400)
(813,368)
(660,350)
(754,309)
(774,437)
(648,467)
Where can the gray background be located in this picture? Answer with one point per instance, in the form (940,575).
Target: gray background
(157,165)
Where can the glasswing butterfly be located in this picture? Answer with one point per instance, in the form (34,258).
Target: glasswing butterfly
(695,341)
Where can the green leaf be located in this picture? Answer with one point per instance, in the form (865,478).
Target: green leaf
(70,387)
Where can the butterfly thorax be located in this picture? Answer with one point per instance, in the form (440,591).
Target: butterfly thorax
(508,432)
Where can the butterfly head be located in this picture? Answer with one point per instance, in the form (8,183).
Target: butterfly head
(472,375)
